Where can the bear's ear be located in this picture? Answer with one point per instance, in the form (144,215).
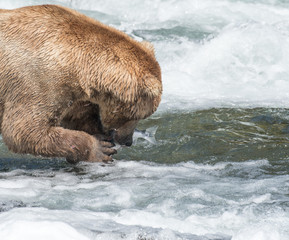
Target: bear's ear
(152,87)
(149,46)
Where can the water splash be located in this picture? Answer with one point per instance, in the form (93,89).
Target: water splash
(147,135)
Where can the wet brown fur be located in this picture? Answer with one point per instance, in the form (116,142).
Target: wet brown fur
(65,77)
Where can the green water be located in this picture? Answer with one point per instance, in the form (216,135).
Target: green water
(214,135)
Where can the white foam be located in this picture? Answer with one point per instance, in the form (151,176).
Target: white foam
(35,230)
(125,197)
(240,66)
(257,232)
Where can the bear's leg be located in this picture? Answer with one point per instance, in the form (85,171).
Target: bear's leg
(27,133)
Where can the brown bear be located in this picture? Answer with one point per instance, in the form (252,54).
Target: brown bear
(68,81)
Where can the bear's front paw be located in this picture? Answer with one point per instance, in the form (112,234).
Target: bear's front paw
(83,147)
(107,150)
(101,151)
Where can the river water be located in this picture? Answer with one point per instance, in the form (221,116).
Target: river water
(213,163)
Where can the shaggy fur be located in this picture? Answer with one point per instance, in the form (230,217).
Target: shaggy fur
(67,81)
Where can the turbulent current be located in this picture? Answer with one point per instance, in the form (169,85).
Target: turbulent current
(211,164)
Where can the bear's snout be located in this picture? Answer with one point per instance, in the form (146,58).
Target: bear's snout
(123,140)
(123,135)
(111,134)
(128,143)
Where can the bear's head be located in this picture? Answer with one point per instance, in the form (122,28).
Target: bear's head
(120,118)
(130,89)
(124,80)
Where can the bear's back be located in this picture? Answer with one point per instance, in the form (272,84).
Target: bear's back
(59,24)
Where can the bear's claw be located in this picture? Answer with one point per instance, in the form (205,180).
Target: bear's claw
(106,144)
(107,150)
